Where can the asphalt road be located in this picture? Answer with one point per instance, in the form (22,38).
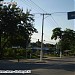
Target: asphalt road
(54,66)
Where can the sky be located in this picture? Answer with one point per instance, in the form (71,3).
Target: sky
(50,21)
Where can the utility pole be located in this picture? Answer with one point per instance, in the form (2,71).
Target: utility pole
(41,52)
(61,44)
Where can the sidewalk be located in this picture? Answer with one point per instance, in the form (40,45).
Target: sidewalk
(44,60)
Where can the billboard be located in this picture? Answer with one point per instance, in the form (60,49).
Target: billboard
(71,15)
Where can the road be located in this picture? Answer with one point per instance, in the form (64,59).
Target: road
(53,66)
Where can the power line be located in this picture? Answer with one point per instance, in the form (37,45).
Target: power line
(33,8)
(25,2)
(54,20)
(44,10)
(47,13)
(37,6)
(58,12)
(28,5)
(42,29)
(50,14)
(49,21)
(40,8)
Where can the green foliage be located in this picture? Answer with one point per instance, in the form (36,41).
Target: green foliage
(56,33)
(67,37)
(16,26)
(38,52)
(11,53)
(8,53)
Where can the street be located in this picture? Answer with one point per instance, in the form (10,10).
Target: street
(53,66)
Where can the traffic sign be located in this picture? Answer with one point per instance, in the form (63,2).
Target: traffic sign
(71,15)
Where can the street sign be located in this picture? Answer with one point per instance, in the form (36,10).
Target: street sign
(71,15)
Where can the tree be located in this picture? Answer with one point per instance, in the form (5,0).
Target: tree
(67,41)
(0,25)
(56,33)
(16,27)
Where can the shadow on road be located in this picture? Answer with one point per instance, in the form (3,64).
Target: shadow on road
(9,65)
